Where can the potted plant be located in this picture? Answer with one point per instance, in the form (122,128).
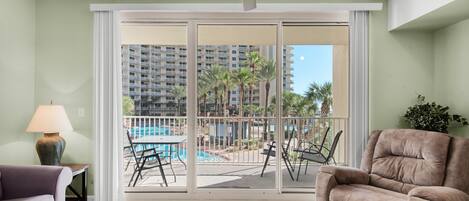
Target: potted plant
(432,117)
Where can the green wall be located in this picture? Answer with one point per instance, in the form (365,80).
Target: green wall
(400,68)
(59,68)
(17,74)
(451,83)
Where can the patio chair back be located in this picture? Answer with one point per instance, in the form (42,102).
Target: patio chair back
(334,145)
(324,139)
(131,146)
(290,137)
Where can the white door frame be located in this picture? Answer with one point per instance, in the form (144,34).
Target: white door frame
(192,23)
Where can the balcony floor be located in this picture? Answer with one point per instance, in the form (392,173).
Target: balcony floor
(227,176)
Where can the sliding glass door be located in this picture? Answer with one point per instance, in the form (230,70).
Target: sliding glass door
(154,74)
(315,100)
(266,93)
(236,115)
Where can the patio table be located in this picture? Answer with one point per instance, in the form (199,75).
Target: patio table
(164,140)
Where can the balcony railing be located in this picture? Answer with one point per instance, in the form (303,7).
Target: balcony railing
(242,140)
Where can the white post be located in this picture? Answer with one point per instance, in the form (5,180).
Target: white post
(107,106)
(191,106)
(279,91)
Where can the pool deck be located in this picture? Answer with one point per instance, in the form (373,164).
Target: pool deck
(226,176)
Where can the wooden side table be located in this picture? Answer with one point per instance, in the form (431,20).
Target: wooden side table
(79,170)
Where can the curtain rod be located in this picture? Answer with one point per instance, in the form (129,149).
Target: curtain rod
(238,8)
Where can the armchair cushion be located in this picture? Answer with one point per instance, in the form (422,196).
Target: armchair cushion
(360,192)
(438,193)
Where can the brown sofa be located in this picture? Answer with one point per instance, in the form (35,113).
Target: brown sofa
(402,164)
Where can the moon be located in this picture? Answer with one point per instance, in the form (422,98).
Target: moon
(302,58)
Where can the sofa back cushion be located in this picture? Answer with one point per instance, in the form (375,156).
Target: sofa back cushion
(457,174)
(27,181)
(406,158)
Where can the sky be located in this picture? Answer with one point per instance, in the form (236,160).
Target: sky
(311,63)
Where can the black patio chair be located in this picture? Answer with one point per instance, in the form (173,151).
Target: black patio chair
(318,156)
(271,151)
(144,160)
(312,147)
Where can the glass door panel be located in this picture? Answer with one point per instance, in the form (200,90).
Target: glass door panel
(236,113)
(315,100)
(154,65)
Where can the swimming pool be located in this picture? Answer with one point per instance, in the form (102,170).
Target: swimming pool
(202,156)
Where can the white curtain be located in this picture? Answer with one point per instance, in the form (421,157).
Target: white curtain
(358,85)
(107,106)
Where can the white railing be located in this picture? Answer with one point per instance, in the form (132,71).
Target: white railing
(242,140)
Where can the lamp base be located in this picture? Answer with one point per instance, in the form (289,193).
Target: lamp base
(50,148)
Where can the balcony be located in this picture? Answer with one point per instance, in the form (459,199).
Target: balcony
(229,150)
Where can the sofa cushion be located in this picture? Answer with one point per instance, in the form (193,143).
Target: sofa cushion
(35,198)
(405,158)
(1,189)
(360,192)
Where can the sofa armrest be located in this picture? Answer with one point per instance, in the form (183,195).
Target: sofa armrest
(65,178)
(346,175)
(27,181)
(438,193)
(331,176)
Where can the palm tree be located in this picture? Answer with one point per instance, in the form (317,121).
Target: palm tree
(323,94)
(243,77)
(289,101)
(203,88)
(179,92)
(228,83)
(303,107)
(266,74)
(254,60)
(213,75)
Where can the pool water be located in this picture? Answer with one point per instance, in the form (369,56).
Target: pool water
(202,156)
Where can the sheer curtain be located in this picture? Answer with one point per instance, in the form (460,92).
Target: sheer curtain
(107,106)
(358,85)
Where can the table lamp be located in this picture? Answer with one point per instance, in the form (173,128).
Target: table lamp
(50,120)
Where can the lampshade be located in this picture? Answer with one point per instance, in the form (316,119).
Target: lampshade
(49,119)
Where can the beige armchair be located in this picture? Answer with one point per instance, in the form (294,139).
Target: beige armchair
(402,164)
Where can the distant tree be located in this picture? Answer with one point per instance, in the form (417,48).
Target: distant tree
(214,76)
(323,94)
(254,61)
(228,83)
(203,89)
(242,77)
(128,106)
(266,74)
(179,92)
